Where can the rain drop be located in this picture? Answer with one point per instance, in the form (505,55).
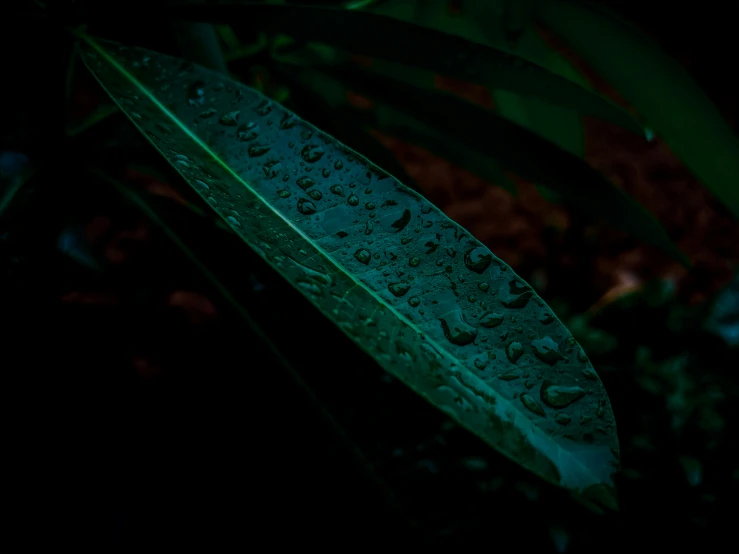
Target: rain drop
(337,190)
(229,119)
(518,295)
(363,256)
(513,351)
(306,207)
(532,405)
(478,259)
(457,331)
(247,132)
(264,108)
(288,121)
(491,320)
(555,396)
(547,350)
(256,150)
(315,194)
(546,318)
(312,154)
(353,200)
(398,289)
(305,183)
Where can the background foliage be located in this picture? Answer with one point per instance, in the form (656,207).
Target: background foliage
(147,412)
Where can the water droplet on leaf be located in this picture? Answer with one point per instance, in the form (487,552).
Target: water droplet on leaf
(399,289)
(363,256)
(312,154)
(478,259)
(306,207)
(556,396)
(513,351)
(547,350)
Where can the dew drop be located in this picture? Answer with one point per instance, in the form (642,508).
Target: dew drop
(353,200)
(457,331)
(363,256)
(590,374)
(337,190)
(306,207)
(491,320)
(264,108)
(402,222)
(369,206)
(312,154)
(229,119)
(478,259)
(338,165)
(315,194)
(532,405)
(288,121)
(518,295)
(305,183)
(480,363)
(414,301)
(414,261)
(256,150)
(562,418)
(207,113)
(547,350)
(546,318)
(513,351)
(556,396)
(398,289)
(196,93)
(271,169)
(247,132)
(483,286)
(283,193)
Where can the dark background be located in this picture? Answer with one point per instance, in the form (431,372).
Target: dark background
(142,412)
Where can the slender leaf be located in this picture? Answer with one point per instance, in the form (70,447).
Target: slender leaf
(397,124)
(387,38)
(530,156)
(673,105)
(414,290)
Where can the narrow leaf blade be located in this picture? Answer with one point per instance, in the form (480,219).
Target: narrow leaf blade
(383,37)
(520,150)
(673,105)
(382,280)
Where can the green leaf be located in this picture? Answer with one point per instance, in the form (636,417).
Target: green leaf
(387,38)
(532,157)
(561,126)
(397,124)
(329,105)
(672,104)
(485,23)
(410,287)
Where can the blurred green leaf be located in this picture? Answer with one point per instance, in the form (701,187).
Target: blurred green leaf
(383,37)
(386,119)
(242,154)
(530,156)
(673,105)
